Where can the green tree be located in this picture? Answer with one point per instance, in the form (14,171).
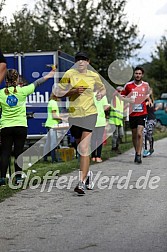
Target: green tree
(75,21)
(99,27)
(117,39)
(27,33)
(3,27)
(157,71)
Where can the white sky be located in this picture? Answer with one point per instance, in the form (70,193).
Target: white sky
(149,15)
(151,18)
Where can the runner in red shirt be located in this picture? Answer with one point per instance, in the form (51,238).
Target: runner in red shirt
(138,91)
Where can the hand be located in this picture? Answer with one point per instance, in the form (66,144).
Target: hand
(150,103)
(80,90)
(59,120)
(50,74)
(64,117)
(98,96)
(131,99)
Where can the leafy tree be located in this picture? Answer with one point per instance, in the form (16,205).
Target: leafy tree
(99,27)
(75,22)
(117,39)
(26,33)
(3,26)
(157,71)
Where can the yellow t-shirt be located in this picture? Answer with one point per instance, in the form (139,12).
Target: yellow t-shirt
(81,105)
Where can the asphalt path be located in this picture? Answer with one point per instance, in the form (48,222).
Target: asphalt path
(126,211)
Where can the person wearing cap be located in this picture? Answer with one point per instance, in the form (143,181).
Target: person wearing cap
(79,84)
(2,67)
(116,119)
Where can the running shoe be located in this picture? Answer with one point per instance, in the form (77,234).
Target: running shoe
(146,153)
(89,183)
(80,188)
(135,158)
(99,160)
(19,180)
(2,182)
(138,159)
(151,151)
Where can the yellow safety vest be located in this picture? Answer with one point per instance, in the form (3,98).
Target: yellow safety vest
(116,113)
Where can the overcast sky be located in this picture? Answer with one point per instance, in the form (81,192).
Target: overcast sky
(151,18)
(149,15)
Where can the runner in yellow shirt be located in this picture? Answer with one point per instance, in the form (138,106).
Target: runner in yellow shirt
(79,84)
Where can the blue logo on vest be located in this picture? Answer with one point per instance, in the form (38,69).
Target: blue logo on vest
(12,100)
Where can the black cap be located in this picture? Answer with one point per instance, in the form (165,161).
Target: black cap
(81,55)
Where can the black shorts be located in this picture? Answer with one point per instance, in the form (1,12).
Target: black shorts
(135,121)
(82,124)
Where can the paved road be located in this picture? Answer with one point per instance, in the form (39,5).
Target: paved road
(110,219)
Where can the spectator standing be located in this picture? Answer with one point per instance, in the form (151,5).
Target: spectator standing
(116,119)
(14,121)
(98,132)
(53,119)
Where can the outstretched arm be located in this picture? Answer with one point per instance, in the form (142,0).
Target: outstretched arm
(45,78)
(2,71)
(2,67)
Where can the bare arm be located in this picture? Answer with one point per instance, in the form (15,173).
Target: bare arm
(67,93)
(100,93)
(55,116)
(45,78)
(2,71)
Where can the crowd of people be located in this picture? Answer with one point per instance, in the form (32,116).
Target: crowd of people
(87,120)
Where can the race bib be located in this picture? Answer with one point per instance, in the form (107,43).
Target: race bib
(137,107)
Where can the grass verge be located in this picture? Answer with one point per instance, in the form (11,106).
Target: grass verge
(42,168)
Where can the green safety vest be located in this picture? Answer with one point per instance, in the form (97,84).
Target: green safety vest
(116,113)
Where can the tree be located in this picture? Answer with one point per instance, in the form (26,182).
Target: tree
(98,27)
(3,26)
(157,71)
(117,39)
(27,33)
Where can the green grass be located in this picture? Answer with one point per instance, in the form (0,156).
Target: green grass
(42,168)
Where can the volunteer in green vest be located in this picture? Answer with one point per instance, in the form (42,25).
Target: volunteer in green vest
(53,119)
(116,120)
(97,134)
